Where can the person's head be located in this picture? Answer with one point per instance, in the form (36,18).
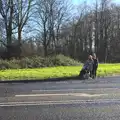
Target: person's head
(90,57)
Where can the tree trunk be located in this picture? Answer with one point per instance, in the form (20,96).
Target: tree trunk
(19,35)
(45,50)
(106,55)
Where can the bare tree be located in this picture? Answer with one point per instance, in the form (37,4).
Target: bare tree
(105,21)
(96,12)
(14,15)
(22,15)
(51,15)
(6,11)
(42,23)
(7,14)
(63,15)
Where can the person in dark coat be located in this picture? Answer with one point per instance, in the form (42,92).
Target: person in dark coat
(95,66)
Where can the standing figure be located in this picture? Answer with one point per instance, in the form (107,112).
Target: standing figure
(95,66)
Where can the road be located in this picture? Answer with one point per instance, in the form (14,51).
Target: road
(67,100)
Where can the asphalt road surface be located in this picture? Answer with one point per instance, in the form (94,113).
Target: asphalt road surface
(70,100)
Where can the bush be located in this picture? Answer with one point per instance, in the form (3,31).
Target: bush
(38,62)
(9,64)
(61,60)
(34,62)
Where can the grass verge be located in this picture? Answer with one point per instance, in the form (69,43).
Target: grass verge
(55,72)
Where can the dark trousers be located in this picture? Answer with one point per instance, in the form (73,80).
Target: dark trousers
(94,72)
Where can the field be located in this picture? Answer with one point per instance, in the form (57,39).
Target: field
(55,72)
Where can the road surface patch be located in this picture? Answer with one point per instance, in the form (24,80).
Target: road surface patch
(65,102)
(75,89)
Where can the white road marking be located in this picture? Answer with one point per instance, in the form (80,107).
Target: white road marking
(39,95)
(65,102)
(88,95)
(67,94)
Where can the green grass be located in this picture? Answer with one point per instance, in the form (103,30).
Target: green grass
(53,72)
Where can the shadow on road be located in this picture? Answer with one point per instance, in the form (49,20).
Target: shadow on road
(43,80)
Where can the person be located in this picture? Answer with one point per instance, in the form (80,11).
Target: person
(88,67)
(95,66)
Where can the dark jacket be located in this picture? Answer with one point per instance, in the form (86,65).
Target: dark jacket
(95,63)
(88,65)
